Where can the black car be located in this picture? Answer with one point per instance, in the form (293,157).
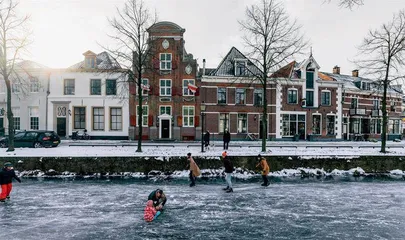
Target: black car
(33,138)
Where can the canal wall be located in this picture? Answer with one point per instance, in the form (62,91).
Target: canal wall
(166,165)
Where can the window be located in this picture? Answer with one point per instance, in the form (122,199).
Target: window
(354,103)
(69,87)
(165,61)
(116,119)
(221,95)
(95,86)
(186,91)
(15,87)
(316,124)
(375,126)
(165,110)
(240,96)
(34,118)
(34,84)
(242,123)
(309,98)
(188,116)
(292,96)
(365,85)
(16,118)
(98,119)
(394,126)
(330,124)
(355,125)
(165,87)
(90,62)
(144,86)
(79,117)
(240,68)
(111,87)
(145,113)
(293,124)
(258,97)
(325,98)
(310,80)
(223,122)
(376,104)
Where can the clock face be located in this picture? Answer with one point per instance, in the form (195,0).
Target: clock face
(165,44)
(189,69)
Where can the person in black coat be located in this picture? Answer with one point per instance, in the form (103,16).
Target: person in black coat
(227,139)
(228,171)
(207,139)
(6,177)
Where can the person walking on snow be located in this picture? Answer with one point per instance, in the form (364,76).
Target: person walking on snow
(207,139)
(265,169)
(227,139)
(194,170)
(6,177)
(228,171)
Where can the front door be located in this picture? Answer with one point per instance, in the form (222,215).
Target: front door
(61,127)
(165,128)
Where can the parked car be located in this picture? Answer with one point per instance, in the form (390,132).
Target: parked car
(33,138)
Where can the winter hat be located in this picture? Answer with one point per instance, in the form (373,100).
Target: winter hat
(188,154)
(8,164)
(224,154)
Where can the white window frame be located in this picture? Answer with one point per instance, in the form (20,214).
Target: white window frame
(296,95)
(34,114)
(91,87)
(226,93)
(334,124)
(260,93)
(242,125)
(34,85)
(320,123)
(15,87)
(186,91)
(102,122)
(376,106)
(164,63)
(326,92)
(65,87)
(244,96)
(223,122)
(145,108)
(188,118)
(145,82)
(357,102)
(166,107)
(240,63)
(111,119)
(16,114)
(167,90)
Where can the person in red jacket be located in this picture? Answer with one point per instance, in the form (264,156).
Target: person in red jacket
(150,213)
(6,176)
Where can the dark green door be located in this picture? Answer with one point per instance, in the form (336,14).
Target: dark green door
(61,127)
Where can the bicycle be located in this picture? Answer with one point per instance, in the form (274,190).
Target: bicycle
(80,135)
(251,136)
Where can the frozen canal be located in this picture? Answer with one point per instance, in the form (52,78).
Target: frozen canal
(113,209)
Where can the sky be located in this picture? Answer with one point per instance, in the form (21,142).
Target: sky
(64,29)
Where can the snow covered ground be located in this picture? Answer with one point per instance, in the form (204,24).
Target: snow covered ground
(126,148)
(113,209)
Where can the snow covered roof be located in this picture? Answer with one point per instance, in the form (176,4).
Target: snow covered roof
(27,64)
(103,61)
(227,65)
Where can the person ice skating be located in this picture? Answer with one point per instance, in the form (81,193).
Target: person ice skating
(265,169)
(150,212)
(228,171)
(207,139)
(227,139)
(194,170)
(158,198)
(6,176)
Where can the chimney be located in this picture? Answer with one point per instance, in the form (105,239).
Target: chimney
(355,73)
(203,67)
(336,70)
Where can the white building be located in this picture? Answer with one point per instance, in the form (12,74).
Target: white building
(89,95)
(29,97)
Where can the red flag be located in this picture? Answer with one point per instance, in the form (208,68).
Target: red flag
(192,88)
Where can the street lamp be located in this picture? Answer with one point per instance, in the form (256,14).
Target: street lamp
(202,108)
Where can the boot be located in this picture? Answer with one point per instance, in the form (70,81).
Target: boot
(192,184)
(229,190)
(225,189)
(8,197)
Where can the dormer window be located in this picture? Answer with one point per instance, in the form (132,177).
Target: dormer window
(90,60)
(365,86)
(240,67)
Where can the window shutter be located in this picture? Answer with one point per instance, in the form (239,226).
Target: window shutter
(179,121)
(132,120)
(197,92)
(150,120)
(132,89)
(196,121)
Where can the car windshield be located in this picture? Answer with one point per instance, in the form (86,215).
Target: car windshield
(19,135)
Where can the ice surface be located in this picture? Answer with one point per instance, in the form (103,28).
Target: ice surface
(113,209)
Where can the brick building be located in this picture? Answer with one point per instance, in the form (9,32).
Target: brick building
(169,106)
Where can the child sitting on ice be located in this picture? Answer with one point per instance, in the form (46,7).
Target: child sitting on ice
(150,212)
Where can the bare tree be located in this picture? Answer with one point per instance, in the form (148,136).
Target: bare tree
(272,39)
(133,49)
(13,42)
(382,56)
(348,3)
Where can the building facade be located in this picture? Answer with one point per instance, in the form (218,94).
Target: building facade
(169,104)
(29,88)
(90,95)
